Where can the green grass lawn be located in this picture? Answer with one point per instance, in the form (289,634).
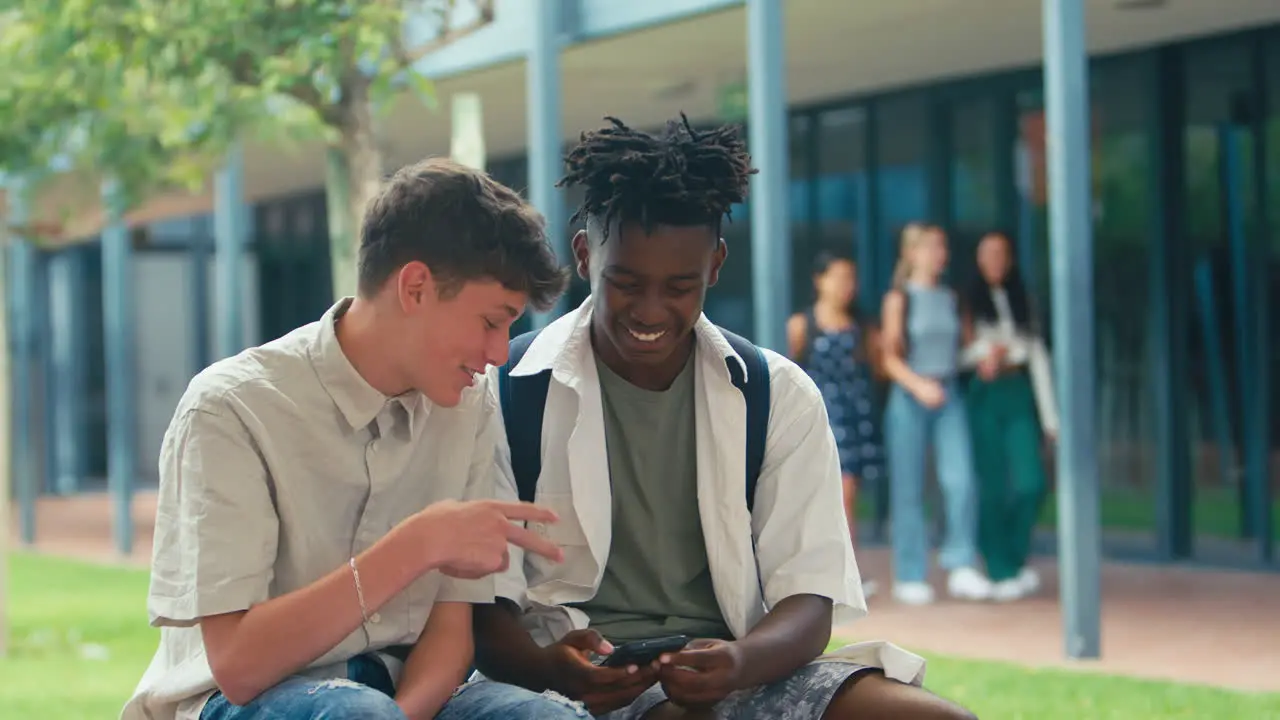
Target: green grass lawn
(59,607)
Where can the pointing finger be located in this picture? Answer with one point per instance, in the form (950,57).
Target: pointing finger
(534,543)
(525,511)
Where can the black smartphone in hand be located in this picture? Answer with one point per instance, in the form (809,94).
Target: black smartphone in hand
(643,652)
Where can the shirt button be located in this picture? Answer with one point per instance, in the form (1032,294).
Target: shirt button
(375,618)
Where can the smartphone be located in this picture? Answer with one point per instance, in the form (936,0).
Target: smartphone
(643,652)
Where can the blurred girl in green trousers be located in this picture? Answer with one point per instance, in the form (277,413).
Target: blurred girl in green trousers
(1011,409)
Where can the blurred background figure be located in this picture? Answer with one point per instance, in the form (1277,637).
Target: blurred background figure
(926,410)
(840,350)
(1011,407)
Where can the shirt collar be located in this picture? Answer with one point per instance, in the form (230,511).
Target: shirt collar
(565,345)
(357,400)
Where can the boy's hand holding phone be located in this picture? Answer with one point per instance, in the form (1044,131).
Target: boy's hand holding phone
(571,672)
(702,674)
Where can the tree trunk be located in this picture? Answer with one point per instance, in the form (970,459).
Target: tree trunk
(352,179)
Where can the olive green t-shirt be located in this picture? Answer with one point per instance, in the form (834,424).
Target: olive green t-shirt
(657,580)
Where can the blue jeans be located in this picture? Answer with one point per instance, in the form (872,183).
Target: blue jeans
(485,698)
(910,430)
(367,696)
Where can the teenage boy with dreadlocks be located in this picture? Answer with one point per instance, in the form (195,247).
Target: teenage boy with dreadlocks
(641,450)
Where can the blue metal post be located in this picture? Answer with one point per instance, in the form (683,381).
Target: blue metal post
(1071,249)
(43,361)
(542,99)
(22,338)
(198,290)
(68,307)
(770,219)
(229,232)
(119,339)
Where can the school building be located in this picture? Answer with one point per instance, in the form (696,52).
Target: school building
(894,111)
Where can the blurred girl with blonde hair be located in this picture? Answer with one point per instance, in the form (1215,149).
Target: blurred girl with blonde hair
(921,343)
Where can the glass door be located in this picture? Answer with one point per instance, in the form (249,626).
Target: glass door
(1122,149)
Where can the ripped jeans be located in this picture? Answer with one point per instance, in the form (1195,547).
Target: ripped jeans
(367,695)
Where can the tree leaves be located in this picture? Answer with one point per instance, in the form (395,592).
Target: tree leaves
(154,91)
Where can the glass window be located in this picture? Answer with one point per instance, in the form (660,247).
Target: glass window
(729,303)
(973,182)
(1221,203)
(801,206)
(841,190)
(1270,274)
(902,171)
(1121,147)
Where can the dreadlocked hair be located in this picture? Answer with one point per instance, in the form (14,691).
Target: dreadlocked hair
(680,177)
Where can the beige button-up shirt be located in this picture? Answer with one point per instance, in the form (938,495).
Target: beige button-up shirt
(279,465)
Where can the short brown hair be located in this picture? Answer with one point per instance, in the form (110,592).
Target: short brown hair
(464,226)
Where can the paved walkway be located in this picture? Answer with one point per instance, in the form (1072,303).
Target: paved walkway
(1217,628)
(1187,625)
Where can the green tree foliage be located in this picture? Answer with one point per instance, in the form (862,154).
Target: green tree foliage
(154,92)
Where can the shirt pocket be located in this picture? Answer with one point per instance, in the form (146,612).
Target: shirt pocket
(578,568)
(567,532)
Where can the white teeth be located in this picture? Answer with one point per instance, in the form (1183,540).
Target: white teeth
(646,337)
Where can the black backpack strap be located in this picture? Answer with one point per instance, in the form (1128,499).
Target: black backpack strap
(523,400)
(755,389)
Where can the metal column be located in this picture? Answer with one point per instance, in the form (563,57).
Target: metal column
(198,254)
(43,363)
(1071,253)
(22,340)
(543,99)
(119,338)
(230,228)
(68,306)
(770,219)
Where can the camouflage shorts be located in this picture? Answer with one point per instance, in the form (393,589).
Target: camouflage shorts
(804,695)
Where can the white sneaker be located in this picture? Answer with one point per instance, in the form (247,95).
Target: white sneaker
(913,593)
(1029,579)
(1008,590)
(967,583)
(869,588)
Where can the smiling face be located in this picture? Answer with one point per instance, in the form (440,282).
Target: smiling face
(446,340)
(649,290)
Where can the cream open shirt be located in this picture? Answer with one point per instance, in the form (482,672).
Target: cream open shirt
(279,465)
(795,542)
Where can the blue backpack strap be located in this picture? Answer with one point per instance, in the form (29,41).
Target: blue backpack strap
(755,389)
(523,400)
